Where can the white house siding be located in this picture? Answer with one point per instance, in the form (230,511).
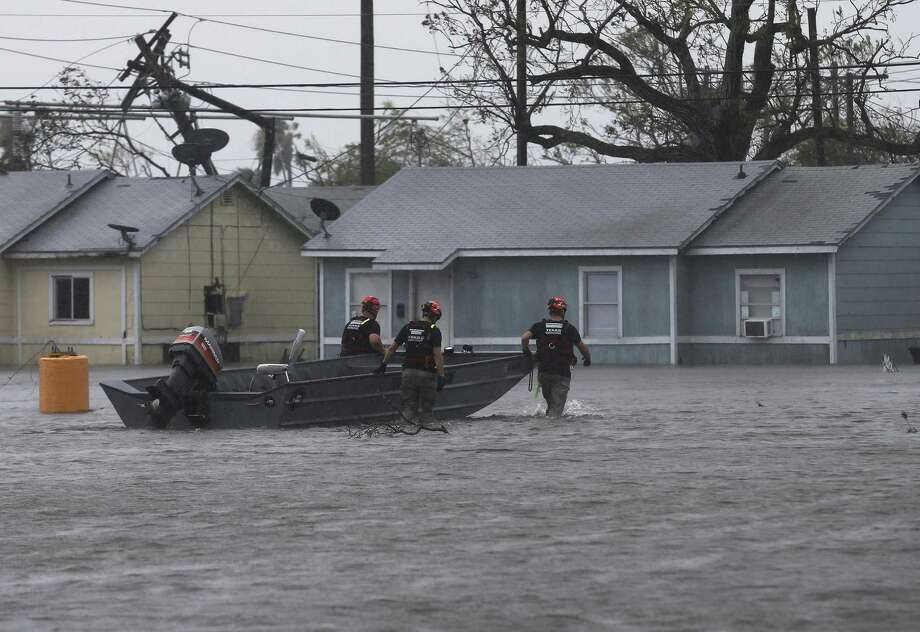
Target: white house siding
(255,253)
(878,284)
(7,313)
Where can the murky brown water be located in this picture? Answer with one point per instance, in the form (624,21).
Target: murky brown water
(668,500)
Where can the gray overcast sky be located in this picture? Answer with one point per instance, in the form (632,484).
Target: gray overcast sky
(53,18)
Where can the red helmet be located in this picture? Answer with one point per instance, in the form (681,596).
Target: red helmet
(432,308)
(371,304)
(557,304)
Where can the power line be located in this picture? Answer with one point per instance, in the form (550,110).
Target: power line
(59,60)
(262,29)
(68,39)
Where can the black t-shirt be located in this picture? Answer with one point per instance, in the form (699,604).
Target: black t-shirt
(556,340)
(420,338)
(356,337)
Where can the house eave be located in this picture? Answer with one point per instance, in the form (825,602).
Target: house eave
(761,250)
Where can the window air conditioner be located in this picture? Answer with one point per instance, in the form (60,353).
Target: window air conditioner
(757,328)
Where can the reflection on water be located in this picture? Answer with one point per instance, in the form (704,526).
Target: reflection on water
(666,499)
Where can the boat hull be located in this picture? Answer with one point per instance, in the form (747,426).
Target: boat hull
(342,391)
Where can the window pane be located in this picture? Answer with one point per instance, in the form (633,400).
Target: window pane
(601,287)
(63,305)
(602,321)
(81,298)
(364,284)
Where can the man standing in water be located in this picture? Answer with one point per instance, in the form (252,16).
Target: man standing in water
(423,367)
(556,337)
(362,333)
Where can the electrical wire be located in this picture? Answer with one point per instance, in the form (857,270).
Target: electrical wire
(59,60)
(68,39)
(262,29)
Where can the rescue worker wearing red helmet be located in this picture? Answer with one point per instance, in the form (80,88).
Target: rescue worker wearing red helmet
(423,366)
(362,332)
(556,339)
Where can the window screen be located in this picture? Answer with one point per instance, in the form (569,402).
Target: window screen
(762,297)
(71,297)
(601,304)
(377,284)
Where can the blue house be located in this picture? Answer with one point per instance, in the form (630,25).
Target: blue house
(661,263)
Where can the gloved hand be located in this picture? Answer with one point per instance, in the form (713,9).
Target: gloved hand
(380,370)
(441,383)
(586,361)
(574,360)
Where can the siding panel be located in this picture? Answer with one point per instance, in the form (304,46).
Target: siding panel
(878,272)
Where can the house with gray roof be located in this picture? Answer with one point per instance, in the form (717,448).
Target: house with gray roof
(117,266)
(296,200)
(661,263)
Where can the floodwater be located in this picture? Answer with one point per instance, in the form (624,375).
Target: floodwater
(669,499)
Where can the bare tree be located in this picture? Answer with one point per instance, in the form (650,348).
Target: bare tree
(54,138)
(679,80)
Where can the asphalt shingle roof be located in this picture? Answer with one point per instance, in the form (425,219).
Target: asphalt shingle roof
(424,215)
(800,206)
(153,205)
(29,197)
(296,200)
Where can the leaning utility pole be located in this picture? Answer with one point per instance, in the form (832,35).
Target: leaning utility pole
(154,74)
(520,105)
(815,86)
(368,177)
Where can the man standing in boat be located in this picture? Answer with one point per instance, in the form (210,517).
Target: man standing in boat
(362,333)
(423,366)
(556,339)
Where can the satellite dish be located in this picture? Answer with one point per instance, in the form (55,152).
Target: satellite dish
(127,233)
(212,138)
(326,211)
(191,154)
(123,228)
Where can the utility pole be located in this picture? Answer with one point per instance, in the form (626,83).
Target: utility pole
(152,74)
(815,86)
(835,95)
(520,106)
(848,86)
(368,177)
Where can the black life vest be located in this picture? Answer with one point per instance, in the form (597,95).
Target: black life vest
(419,348)
(354,340)
(554,348)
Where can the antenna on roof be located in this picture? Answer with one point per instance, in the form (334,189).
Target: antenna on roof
(197,149)
(740,175)
(326,211)
(127,234)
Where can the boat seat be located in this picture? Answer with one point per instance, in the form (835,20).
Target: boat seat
(268,376)
(271,369)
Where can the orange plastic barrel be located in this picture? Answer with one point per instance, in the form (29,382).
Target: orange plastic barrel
(63,384)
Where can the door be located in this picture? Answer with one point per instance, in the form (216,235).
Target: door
(435,285)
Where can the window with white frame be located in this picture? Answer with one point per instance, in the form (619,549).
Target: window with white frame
(600,290)
(72,298)
(761,296)
(363,283)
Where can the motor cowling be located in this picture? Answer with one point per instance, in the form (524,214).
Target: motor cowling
(196,363)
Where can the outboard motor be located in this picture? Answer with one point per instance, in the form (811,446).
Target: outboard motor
(196,363)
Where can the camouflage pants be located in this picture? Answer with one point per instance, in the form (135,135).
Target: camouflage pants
(417,393)
(555,391)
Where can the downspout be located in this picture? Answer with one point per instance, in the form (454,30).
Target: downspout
(138,316)
(672,300)
(832,307)
(320,303)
